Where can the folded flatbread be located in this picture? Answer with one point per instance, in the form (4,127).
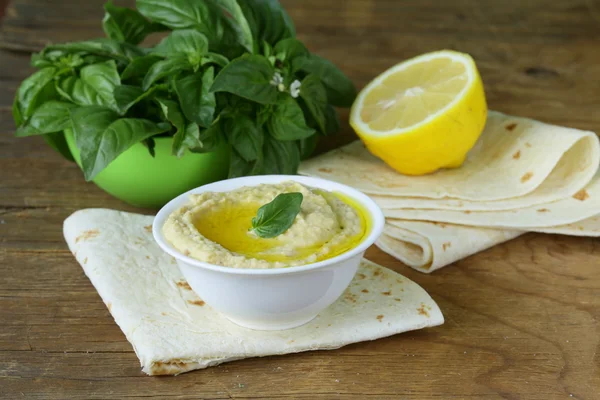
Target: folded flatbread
(522,175)
(173,331)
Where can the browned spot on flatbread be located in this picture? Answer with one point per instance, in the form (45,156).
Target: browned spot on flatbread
(389,292)
(423,310)
(582,195)
(511,127)
(92,233)
(379,317)
(291,341)
(184,285)
(365,290)
(397,299)
(361,276)
(350,297)
(440,224)
(446,245)
(85,260)
(326,170)
(172,367)
(109,306)
(148,257)
(186,252)
(196,302)
(163,313)
(398,280)
(148,228)
(517,155)
(467,212)
(526,177)
(543,210)
(527,144)
(377,272)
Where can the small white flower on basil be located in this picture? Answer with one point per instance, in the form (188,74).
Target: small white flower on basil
(295,88)
(277,80)
(281,87)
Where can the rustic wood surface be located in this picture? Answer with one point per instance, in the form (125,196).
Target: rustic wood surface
(521,318)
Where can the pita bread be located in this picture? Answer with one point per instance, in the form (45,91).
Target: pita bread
(172,331)
(512,159)
(522,175)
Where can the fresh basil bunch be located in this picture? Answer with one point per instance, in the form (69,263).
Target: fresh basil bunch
(229,71)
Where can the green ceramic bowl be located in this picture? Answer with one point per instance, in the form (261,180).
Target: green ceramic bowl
(138,179)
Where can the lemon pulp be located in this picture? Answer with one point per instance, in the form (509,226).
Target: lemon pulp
(229,225)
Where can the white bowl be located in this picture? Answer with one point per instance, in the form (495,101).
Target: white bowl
(271,299)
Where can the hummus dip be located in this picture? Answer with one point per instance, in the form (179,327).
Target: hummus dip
(216,227)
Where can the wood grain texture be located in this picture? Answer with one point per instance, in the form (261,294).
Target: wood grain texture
(521,318)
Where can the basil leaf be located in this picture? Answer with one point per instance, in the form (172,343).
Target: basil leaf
(268,21)
(101,136)
(307,146)
(125,25)
(245,33)
(276,217)
(280,157)
(16,113)
(287,121)
(210,138)
(214,58)
(139,67)
(238,166)
(102,78)
(126,96)
(249,77)
(52,116)
(162,69)
(207,16)
(188,42)
(150,144)
(98,47)
(192,139)
(340,90)
(245,137)
(332,120)
(197,102)
(33,91)
(173,114)
(289,49)
(314,96)
(57,141)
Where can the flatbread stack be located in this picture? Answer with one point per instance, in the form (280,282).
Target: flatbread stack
(173,331)
(522,175)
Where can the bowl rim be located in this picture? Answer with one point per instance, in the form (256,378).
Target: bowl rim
(375,213)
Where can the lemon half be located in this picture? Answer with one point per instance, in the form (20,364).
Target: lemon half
(423,114)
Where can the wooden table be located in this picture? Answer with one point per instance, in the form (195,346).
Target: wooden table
(521,318)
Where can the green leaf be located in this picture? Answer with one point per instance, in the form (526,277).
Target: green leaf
(125,25)
(173,114)
(102,78)
(139,66)
(207,16)
(16,113)
(245,33)
(210,138)
(192,138)
(287,121)
(289,49)
(150,144)
(214,58)
(249,77)
(268,20)
(33,91)
(238,166)
(101,136)
(186,42)
(340,90)
(276,217)
(280,157)
(99,47)
(52,116)
(332,120)
(57,141)
(196,100)
(245,137)
(126,96)
(162,69)
(307,146)
(315,97)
